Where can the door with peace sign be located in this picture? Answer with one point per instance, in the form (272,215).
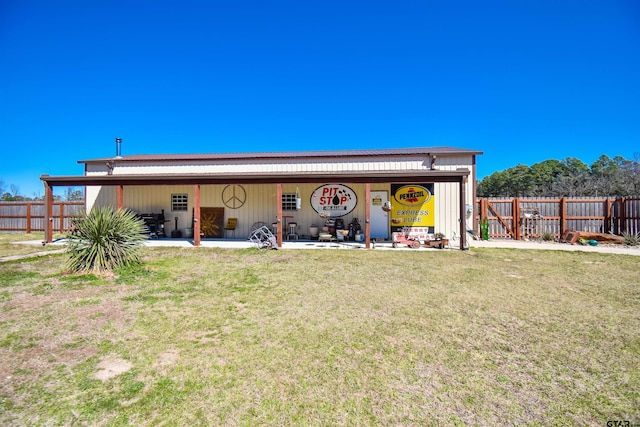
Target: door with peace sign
(234,196)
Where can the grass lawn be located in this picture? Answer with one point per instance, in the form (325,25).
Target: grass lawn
(203,336)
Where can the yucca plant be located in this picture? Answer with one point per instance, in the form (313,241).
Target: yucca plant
(631,239)
(104,239)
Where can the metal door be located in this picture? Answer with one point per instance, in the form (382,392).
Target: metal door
(379,218)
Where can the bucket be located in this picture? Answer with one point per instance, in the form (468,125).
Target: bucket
(188,233)
(313,231)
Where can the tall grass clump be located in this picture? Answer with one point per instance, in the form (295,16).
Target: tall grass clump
(631,239)
(104,239)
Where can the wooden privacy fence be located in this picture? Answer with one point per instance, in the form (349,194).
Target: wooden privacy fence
(30,216)
(524,218)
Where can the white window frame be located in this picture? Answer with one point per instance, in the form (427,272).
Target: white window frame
(179,202)
(289,201)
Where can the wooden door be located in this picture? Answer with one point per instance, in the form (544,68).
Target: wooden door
(212,222)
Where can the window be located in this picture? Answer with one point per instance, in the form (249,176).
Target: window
(179,202)
(289,202)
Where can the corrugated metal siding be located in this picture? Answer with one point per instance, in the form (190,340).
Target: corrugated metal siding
(100,196)
(277,165)
(261,205)
(448,197)
(338,154)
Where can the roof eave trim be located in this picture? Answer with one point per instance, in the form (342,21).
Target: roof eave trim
(212,179)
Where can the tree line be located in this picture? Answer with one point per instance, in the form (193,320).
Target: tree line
(12,194)
(570,177)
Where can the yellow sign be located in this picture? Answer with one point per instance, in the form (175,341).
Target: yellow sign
(413,206)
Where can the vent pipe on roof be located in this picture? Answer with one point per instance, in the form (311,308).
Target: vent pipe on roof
(118,147)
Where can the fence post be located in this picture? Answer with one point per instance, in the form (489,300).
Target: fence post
(484,213)
(563,215)
(515,212)
(607,215)
(61,217)
(623,215)
(28,225)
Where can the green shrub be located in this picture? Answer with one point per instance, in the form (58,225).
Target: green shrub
(631,239)
(105,239)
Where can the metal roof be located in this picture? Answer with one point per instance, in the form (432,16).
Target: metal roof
(289,154)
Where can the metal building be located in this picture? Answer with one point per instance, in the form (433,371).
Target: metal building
(425,190)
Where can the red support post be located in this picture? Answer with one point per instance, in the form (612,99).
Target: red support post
(463,197)
(196,215)
(279,219)
(120,197)
(48,213)
(367,215)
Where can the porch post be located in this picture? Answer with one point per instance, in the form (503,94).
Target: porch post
(463,216)
(48,213)
(279,214)
(120,197)
(367,215)
(196,215)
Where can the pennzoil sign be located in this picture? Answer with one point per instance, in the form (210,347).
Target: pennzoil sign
(412,195)
(413,206)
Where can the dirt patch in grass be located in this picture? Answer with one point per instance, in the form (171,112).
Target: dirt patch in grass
(111,367)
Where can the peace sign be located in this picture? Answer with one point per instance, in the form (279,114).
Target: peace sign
(234,196)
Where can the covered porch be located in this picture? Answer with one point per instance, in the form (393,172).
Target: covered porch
(121,182)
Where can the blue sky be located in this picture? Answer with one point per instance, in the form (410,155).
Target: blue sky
(522,81)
